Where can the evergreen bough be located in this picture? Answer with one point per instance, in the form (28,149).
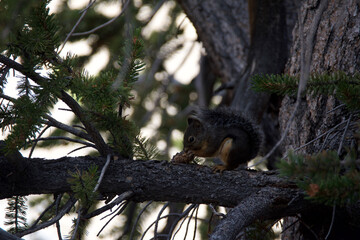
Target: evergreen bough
(324,176)
(346,88)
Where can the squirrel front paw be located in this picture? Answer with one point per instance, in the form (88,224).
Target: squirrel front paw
(219,168)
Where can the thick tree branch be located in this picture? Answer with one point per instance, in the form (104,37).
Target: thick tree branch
(261,205)
(149,180)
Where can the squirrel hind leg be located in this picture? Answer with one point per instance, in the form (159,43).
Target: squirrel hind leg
(232,153)
(223,153)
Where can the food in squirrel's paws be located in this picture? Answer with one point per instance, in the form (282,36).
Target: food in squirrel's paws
(182,157)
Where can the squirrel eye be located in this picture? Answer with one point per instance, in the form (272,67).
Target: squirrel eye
(191,139)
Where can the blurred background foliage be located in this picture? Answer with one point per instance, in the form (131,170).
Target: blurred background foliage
(165,88)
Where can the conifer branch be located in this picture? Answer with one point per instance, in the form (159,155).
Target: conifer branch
(101,146)
(10,99)
(345,88)
(53,122)
(16,214)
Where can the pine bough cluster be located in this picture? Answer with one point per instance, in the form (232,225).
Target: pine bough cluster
(325,177)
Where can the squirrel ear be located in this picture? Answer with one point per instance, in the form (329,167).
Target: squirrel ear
(193,120)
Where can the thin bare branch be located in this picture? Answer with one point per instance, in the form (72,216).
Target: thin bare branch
(183,215)
(196,218)
(53,122)
(166,216)
(44,212)
(58,200)
(216,213)
(118,200)
(318,137)
(36,140)
(82,211)
(336,108)
(76,225)
(108,158)
(66,139)
(91,2)
(332,222)
(344,134)
(117,213)
(189,220)
(104,24)
(138,218)
(76,149)
(308,227)
(182,222)
(184,58)
(154,11)
(43,225)
(158,217)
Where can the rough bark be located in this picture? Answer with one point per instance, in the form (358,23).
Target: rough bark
(149,180)
(336,47)
(267,54)
(223,28)
(256,207)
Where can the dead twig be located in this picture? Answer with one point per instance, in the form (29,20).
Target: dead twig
(104,24)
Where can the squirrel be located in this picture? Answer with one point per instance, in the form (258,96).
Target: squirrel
(222,133)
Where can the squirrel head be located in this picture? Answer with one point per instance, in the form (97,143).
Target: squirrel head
(193,136)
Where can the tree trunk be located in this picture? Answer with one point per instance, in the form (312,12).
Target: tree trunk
(336,47)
